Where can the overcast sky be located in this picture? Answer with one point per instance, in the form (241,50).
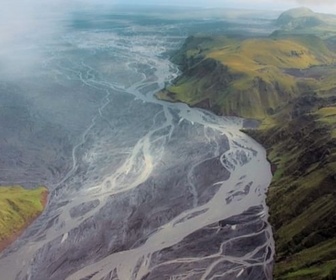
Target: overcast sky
(317,5)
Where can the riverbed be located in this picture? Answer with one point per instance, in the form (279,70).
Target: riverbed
(139,188)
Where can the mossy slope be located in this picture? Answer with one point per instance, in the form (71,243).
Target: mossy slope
(18,208)
(248,78)
(302,196)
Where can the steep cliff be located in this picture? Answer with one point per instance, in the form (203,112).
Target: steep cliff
(302,196)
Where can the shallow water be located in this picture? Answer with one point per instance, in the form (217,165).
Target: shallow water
(139,188)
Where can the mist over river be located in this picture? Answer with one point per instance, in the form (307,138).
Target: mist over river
(139,188)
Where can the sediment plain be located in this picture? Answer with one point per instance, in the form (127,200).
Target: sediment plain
(139,188)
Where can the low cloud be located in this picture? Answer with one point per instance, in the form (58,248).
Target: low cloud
(314,2)
(25,26)
(22,25)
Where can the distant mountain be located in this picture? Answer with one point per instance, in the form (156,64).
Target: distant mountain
(298,12)
(299,18)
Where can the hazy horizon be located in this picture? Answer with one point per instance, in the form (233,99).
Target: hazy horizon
(327,6)
(38,19)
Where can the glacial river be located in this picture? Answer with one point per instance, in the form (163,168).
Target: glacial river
(139,188)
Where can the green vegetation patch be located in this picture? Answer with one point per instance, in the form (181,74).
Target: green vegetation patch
(18,207)
(310,264)
(302,196)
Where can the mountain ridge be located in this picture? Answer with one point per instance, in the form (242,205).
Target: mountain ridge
(229,74)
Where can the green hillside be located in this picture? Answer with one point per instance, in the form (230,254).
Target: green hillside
(18,208)
(287,81)
(302,196)
(248,78)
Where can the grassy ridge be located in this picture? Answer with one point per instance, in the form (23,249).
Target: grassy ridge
(18,208)
(248,78)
